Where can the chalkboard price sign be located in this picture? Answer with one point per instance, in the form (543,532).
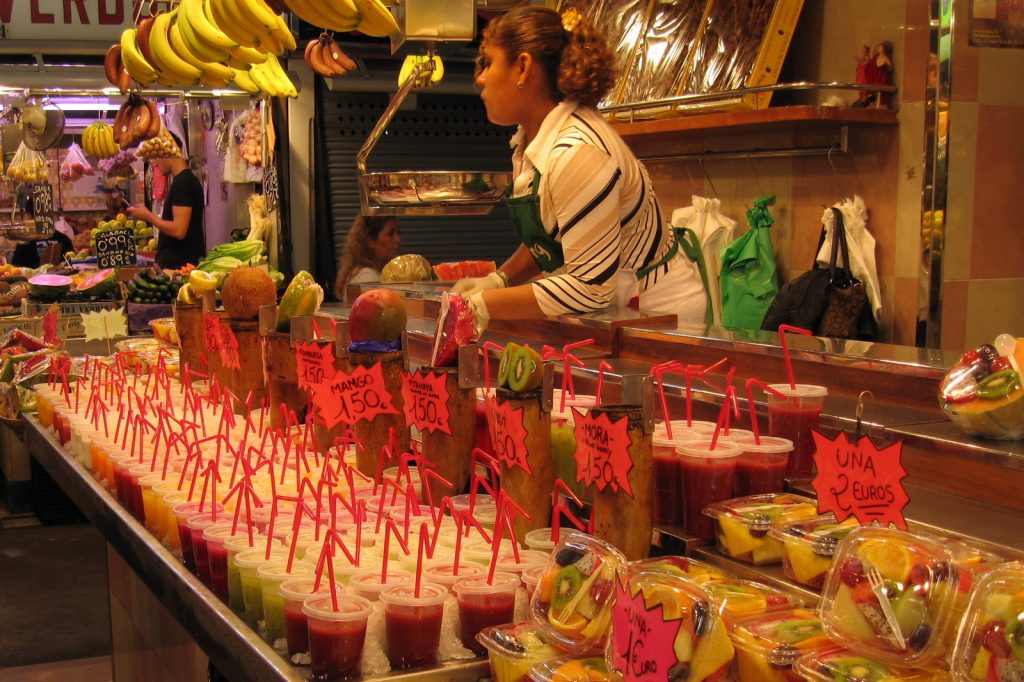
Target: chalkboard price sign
(42,205)
(115,248)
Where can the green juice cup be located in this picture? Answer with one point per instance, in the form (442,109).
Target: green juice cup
(271,575)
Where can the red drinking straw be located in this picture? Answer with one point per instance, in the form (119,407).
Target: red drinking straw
(658,372)
(783,328)
(752,409)
(723,415)
(507,507)
(392,528)
(570,359)
(488,346)
(559,510)
(424,534)
(601,368)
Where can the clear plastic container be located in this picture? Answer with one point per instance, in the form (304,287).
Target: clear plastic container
(698,571)
(888,595)
(808,546)
(990,642)
(484,601)
(767,646)
(737,599)
(572,669)
(668,624)
(572,603)
(837,663)
(742,524)
(514,649)
(793,417)
(707,476)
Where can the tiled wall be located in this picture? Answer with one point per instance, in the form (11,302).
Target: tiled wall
(983,274)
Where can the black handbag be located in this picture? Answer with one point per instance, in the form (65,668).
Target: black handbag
(829,301)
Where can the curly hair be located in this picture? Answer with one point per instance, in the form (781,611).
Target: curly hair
(357,252)
(578,64)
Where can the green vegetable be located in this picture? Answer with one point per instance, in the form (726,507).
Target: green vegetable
(244,251)
(221,264)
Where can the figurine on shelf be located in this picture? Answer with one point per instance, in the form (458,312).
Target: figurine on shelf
(862,74)
(877,70)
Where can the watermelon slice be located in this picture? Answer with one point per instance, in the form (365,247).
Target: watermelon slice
(48,288)
(100,283)
(450,272)
(454,328)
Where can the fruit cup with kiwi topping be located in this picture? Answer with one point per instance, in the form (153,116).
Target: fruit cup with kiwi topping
(990,643)
(983,393)
(888,595)
(571,605)
(837,664)
(697,571)
(665,627)
(767,646)
(571,669)
(513,649)
(736,599)
(808,546)
(743,524)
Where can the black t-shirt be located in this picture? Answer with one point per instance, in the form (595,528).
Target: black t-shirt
(172,253)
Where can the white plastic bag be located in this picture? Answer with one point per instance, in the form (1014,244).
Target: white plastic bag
(75,166)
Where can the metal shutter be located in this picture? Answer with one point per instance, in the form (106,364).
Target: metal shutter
(443,132)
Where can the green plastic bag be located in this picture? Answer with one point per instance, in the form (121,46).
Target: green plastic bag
(749,282)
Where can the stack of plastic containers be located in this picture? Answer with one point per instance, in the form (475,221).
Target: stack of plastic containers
(990,643)
(742,524)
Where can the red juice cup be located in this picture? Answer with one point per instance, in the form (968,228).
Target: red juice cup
(482,605)
(531,577)
(215,537)
(294,592)
(793,417)
(136,474)
(181,514)
(122,481)
(762,466)
(528,558)
(707,476)
(336,636)
(366,582)
(442,572)
(197,525)
(413,624)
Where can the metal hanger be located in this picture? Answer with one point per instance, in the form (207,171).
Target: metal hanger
(757,177)
(707,176)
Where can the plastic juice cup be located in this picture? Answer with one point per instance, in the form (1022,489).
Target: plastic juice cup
(482,501)
(197,526)
(366,582)
(413,623)
(667,511)
(248,563)
(481,553)
(44,406)
(540,540)
(707,476)
(513,649)
(150,506)
(442,572)
(793,417)
(122,482)
(135,474)
(530,577)
(336,636)
(442,554)
(482,605)
(168,502)
(235,545)
(294,592)
(215,537)
(762,466)
(271,576)
(527,558)
(98,456)
(182,512)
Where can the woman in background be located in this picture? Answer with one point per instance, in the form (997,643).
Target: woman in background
(372,241)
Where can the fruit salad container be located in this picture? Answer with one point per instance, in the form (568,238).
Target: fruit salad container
(572,604)
(570,669)
(990,643)
(983,393)
(972,564)
(888,595)
(767,646)
(698,571)
(808,546)
(742,524)
(513,649)
(736,599)
(842,665)
(666,626)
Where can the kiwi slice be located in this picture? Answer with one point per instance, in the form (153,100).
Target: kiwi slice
(506,360)
(567,583)
(797,630)
(526,369)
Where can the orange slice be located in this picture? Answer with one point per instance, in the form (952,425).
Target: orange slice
(891,559)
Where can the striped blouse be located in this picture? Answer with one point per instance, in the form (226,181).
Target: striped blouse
(597,201)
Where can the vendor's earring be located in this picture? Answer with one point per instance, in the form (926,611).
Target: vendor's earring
(520,85)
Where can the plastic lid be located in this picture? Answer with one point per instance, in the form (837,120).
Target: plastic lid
(516,640)
(253,558)
(577,564)
(741,598)
(350,607)
(405,594)
(768,444)
(681,424)
(239,542)
(996,606)
(368,579)
(677,565)
(278,571)
(441,571)
(760,512)
(700,448)
(300,587)
(539,538)
(800,390)
(781,637)
(837,663)
(527,558)
(821,533)
(477,584)
(903,624)
(570,669)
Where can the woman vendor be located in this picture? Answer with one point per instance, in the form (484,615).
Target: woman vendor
(582,203)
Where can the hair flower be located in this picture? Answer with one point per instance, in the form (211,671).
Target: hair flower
(570,18)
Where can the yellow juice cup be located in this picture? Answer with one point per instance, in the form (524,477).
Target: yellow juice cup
(150,507)
(44,405)
(169,521)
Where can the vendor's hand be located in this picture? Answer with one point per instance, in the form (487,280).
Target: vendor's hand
(481,316)
(468,286)
(140,212)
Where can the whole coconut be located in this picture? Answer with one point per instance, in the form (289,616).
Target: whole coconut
(377,315)
(245,290)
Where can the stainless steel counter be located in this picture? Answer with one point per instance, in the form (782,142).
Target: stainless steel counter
(231,645)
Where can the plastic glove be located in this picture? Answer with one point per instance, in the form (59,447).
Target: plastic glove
(481,316)
(468,286)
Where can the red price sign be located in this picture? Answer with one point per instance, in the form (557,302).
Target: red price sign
(426,401)
(860,480)
(638,637)
(314,363)
(229,348)
(508,434)
(351,397)
(50,324)
(211,333)
(602,451)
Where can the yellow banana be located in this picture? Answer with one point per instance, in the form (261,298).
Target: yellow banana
(200,49)
(312,13)
(249,55)
(211,81)
(214,69)
(87,137)
(201,26)
(244,81)
(344,15)
(425,78)
(163,52)
(258,12)
(262,80)
(283,34)
(134,62)
(280,77)
(106,136)
(375,19)
(240,30)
